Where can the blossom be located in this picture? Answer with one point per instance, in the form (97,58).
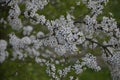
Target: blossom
(39,60)
(3,53)
(60,73)
(27,30)
(90,62)
(63,38)
(15,23)
(60,50)
(17,54)
(14,11)
(13,19)
(40,34)
(108,24)
(40,3)
(66,70)
(3,45)
(26,40)
(71,78)
(14,41)
(53,41)
(115,59)
(78,3)
(81,38)
(95,6)
(40,19)
(30,9)
(78,68)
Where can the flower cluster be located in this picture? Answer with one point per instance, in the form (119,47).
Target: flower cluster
(108,24)
(95,6)
(27,30)
(32,7)
(89,27)
(13,19)
(63,38)
(65,35)
(40,3)
(115,59)
(18,45)
(3,53)
(90,61)
(51,70)
(78,68)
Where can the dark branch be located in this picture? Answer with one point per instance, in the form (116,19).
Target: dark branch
(105,47)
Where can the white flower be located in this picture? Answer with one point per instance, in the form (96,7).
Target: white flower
(15,11)
(17,54)
(27,30)
(108,24)
(14,41)
(25,41)
(32,38)
(40,3)
(78,68)
(71,78)
(96,6)
(81,38)
(35,52)
(60,73)
(42,19)
(60,50)
(53,41)
(30,9)
(57,62)
(90,62)
(37,44)
(115,59)
(15,23)
(3,55)
(40,34)
(38,60)
(53,68)
(78,3)
(3,45)
(12,2)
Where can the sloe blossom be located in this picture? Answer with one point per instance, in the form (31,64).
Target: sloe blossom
(3,52)
(27,30)
(90,62)
(63,39)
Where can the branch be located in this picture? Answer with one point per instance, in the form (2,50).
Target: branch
(4,3)
(103,46)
